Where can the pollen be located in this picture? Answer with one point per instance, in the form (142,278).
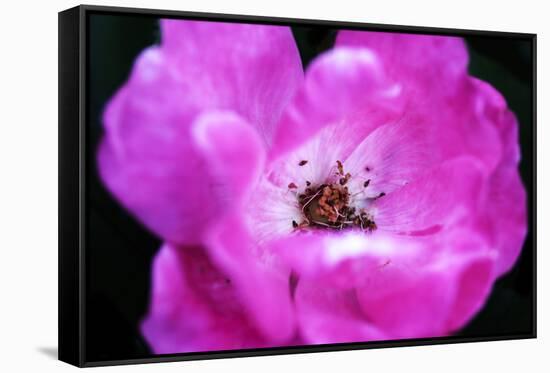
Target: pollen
(328,206)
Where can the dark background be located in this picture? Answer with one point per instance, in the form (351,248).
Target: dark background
(119,250)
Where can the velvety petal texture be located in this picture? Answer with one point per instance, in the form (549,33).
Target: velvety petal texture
(438,198)
(505,212)
(262,284)
(345,86)
(251,69)
(434,294)
(194,306)
(375,197)
(147,122)
(148,158)
(416,60)
(419,64)
(332,316)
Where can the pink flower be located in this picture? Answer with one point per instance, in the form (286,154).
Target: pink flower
(375,197)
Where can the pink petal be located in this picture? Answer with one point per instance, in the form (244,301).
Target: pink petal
(505,215)
(321,152)
(344,86)
(146,158)
(408,287)
(416,309)
(432,74)
(505,212)
(420,62)
(464,125)
(474,286)
(491,108)
(233,156)
(154,166)
(262,283)
(391,156)
(346,259)
(436,199)
(432,298)
(331,316)
(194,306)
(270,210)
(253,70)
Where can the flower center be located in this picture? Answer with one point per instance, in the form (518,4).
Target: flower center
(328,205)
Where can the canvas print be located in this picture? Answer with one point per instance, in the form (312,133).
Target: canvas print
(263,185)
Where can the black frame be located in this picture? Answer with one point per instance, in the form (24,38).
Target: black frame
(72,183)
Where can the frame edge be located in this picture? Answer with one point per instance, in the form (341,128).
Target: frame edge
(69,253)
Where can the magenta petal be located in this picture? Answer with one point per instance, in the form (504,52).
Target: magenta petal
(391,156)
(505,212)
(345,86)
(253,70)
(417,309)
(233,155)
(433,298)
(345,260)
(262,283)
(491,108)
(194,307)
(505,215)
(146,158)
(419,62)
(406,286)
(332,316)
(435,199)
(153,164)
(474,286)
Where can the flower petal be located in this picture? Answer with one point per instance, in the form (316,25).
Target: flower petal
(474,286)
(331,316)
(491,108)
(270,210)
(146,158)
(408,287)
(253,70)
(345,87)
(391,156)
(432,298)
(194,306)
(419,62)
(432,73)
(233,157)
(262,283)
(154,166)
(505,213)
(345,259)
(434,200)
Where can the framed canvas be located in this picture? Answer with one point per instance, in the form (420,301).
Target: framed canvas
(239,186)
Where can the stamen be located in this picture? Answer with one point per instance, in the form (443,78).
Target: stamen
(340,167)
(328,206)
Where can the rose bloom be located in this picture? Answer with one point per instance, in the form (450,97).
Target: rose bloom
(374,197)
